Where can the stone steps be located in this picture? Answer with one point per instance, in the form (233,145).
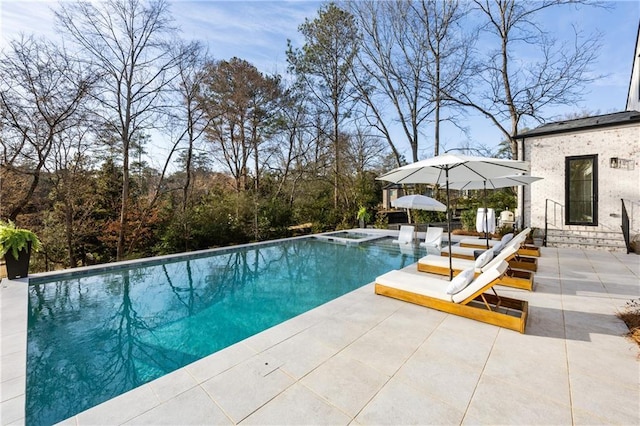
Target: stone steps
(602,240)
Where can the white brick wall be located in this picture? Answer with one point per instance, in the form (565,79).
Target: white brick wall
(547,156)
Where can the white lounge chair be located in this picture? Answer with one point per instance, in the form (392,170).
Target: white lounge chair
(469,302)
(525,250)
(517,262)
(439,265)
(406,235)
(433,238)
(481,243)
(464,251)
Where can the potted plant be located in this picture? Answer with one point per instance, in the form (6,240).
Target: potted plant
(16,245)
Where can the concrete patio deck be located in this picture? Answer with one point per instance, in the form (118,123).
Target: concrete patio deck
(367,359)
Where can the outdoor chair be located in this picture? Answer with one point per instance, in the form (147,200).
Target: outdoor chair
(463,296)
(406,235)
(439,265)
(481,243)
(519,261)
(433,238)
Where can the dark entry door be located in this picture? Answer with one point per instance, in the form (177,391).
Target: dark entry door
(581,190)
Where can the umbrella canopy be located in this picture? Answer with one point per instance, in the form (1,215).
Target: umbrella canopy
(495,183)
(454,168)
(447,168)
(419,202)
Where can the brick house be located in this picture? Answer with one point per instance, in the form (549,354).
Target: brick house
(589,165)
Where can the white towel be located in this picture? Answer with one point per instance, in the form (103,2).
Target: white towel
(490,221)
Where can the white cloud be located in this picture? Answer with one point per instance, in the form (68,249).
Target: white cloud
(255,31)
(26,17)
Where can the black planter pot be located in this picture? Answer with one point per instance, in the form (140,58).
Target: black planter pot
(18,268)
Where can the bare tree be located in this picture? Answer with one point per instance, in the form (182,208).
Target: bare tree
(450,66)
(516,89)
(411,52)
(71,222)
(192,120)
(239,104)
(325,64)
(128,43)
(390,69)
(42,91)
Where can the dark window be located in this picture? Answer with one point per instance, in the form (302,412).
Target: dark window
(581,190)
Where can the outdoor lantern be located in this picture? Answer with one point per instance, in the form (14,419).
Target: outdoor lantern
(614,163)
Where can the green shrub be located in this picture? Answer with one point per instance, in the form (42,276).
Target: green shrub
(468,219)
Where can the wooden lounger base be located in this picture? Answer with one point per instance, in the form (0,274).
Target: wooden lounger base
(529,251)
(438,270)
(479,245)
(488,308)
(526,263)
(456,255)
(517,279)
(512,278)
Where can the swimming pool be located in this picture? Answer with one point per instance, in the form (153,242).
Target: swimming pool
(93,337)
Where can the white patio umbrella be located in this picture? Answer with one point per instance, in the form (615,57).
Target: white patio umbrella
(494,183)
(418,202)
(447,168)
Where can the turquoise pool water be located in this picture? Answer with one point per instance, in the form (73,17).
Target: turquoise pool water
(93,337)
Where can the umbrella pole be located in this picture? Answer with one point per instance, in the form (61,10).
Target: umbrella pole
(446,171)
(486,215)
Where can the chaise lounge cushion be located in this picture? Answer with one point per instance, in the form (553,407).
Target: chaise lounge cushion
(416,282)
(461,280)
(506,238)
(484,258)
(498,247)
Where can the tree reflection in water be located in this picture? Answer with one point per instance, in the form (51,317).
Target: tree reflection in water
(93,337)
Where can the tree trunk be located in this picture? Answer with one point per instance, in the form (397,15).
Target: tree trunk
(124,206)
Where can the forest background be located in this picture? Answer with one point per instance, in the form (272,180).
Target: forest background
(246,155)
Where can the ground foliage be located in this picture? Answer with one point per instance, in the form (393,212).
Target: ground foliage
(631,317)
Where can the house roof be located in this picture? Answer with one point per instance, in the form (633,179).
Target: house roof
(614,119)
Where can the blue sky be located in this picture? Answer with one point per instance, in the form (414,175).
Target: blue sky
(258,31)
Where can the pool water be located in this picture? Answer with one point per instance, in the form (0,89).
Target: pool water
(93,337)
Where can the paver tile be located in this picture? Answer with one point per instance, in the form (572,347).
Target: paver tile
(297,406)
(300,354)
(534,363)
(497,401)
(12,410)
(248,386)
(208,367)
(121,408)
(346,383)
(12,388)
(442,377)
(398,403)
(611,363)
(193,407)
(173,384)
(605,399)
